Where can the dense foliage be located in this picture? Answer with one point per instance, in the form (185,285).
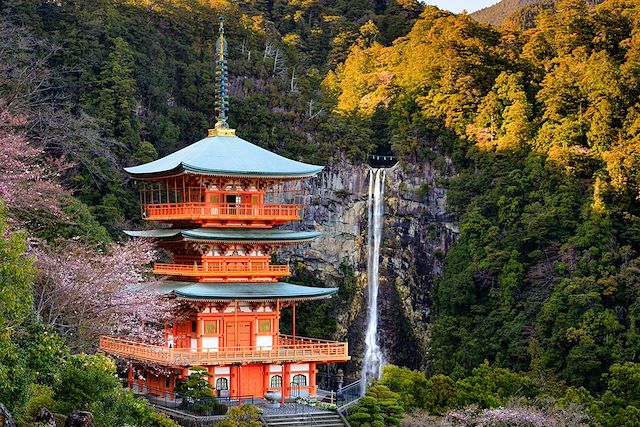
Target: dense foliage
(379,407)
(488,390)
(542,127)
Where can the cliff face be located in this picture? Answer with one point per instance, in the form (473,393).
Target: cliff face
(417,233)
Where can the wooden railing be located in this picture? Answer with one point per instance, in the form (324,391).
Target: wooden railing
(221,211)
(234,269)
(300,350)
(290,340)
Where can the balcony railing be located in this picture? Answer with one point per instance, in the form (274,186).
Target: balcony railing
(223,269)
(192,211)
(287,350)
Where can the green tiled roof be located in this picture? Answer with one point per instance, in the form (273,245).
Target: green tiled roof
(244,291)
(225,156)
(228,235)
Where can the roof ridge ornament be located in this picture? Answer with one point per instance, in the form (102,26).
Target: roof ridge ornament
(221,127)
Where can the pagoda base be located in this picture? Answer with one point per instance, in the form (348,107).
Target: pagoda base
(277,382)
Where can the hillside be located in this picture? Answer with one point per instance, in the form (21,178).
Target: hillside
(520,13)
(499,12)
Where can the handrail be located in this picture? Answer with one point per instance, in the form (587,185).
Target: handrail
(351,394)
(217,268)
(291,340)
(300,351)
(222,210)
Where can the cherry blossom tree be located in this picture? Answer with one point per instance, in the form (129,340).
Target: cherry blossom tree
(27,182)
(515,414)
(85,293)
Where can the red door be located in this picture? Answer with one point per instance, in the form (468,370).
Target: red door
(244,334)
(251,381)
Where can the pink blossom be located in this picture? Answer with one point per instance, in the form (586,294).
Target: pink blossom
(27,182)
(86,293)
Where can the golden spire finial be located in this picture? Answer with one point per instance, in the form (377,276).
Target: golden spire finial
(221,127)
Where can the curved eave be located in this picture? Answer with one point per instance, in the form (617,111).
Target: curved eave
(183,169)
(218,292)
(271,241)
(229,156)
(218,236)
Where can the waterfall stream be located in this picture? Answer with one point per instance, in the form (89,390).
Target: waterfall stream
(373,358)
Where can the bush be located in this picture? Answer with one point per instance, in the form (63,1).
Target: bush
(410,385)
(85,380)
(40,396)
(89,383)
(379,407)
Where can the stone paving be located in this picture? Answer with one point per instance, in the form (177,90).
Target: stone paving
(291,408)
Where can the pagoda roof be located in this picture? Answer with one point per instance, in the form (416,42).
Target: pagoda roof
(227,235)
(195,291)
(224,156)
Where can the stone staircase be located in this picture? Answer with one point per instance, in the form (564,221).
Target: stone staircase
(315,419)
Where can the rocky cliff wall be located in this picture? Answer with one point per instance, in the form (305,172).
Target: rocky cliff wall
(417,233)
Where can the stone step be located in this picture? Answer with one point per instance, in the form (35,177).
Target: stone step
(321,419)
(290,419)
(317,416)
(308,422)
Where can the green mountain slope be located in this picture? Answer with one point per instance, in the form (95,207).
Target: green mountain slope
(499,12)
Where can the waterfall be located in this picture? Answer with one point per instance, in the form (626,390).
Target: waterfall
(373,359)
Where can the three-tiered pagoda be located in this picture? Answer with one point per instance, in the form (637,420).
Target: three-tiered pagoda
(222,197)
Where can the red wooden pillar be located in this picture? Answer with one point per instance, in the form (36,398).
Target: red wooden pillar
(212,379)
(199,322)
(294,324)
(286,381)
(172,382)
(282,384)
(265,378)
(235,320)
(312,379)
(130,377)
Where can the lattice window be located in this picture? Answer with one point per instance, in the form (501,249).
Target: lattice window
(276,381)
(222,384)
(299,379)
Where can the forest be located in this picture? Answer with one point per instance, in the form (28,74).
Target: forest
(535,124)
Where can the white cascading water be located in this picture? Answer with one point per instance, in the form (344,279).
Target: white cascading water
(373,359)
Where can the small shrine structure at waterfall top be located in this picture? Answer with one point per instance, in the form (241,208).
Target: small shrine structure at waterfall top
(222,197)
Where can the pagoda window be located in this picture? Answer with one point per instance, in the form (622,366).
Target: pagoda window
(210,327)
(222,384)
(264,325)
(194,326)
(299,379)
(233,199)
(276,381)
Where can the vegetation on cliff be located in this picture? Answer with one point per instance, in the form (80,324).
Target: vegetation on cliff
(542,128)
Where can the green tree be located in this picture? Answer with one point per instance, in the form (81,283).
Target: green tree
(242,416)
(16,275)
(379,407)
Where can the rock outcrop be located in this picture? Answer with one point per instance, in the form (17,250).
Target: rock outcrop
(79,419)
(46,418)
(417,233)
(6,420)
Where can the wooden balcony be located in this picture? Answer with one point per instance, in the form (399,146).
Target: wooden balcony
(225,270)
(287,350)
(223,213)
